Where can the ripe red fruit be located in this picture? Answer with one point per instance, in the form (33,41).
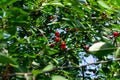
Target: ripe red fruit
(57,34)
(86,48)
(50,17)
(52,45)
(116,34)
(67,29)
(63,47)
(57,39)
(63,44)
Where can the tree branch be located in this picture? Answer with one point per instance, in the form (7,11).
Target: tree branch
(62,68)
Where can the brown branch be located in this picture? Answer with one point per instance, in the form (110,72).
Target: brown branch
(62,68)
(14,74)
(83,69)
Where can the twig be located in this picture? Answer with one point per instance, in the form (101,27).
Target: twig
(83,68)
(94,63)
(62,68)
(14,74)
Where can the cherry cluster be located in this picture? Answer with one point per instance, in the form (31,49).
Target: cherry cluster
(58,39)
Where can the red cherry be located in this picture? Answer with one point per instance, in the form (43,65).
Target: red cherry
(86,47)
(116,34)
(63,44)
(57,39)
(50,17)
(67,29)
(52,45)
(63,47)
(57,34)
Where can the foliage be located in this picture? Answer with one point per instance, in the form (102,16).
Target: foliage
(28,41)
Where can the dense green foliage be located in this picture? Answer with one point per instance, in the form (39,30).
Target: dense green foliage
(44,36)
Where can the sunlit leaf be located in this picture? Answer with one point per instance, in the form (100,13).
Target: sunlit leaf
(35,63)
(36,72)
(52,51)
(66,19)
(103,4)
(101,49)
(52,23)
(48,68)
(57,77)
(53,4)
(83,1)
(117,53)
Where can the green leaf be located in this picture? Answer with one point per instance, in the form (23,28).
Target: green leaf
(117,53)
(52,51)
(53,23)
(103,4)
(36,72)
(53,4)
(118,2)
(57,77)
(83,1)
(1,35)
(35,63)
(12,30)
(66,19)
(3,44)
(101,49)
(13,10)
(5,3)
(6,59)
(48,68)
